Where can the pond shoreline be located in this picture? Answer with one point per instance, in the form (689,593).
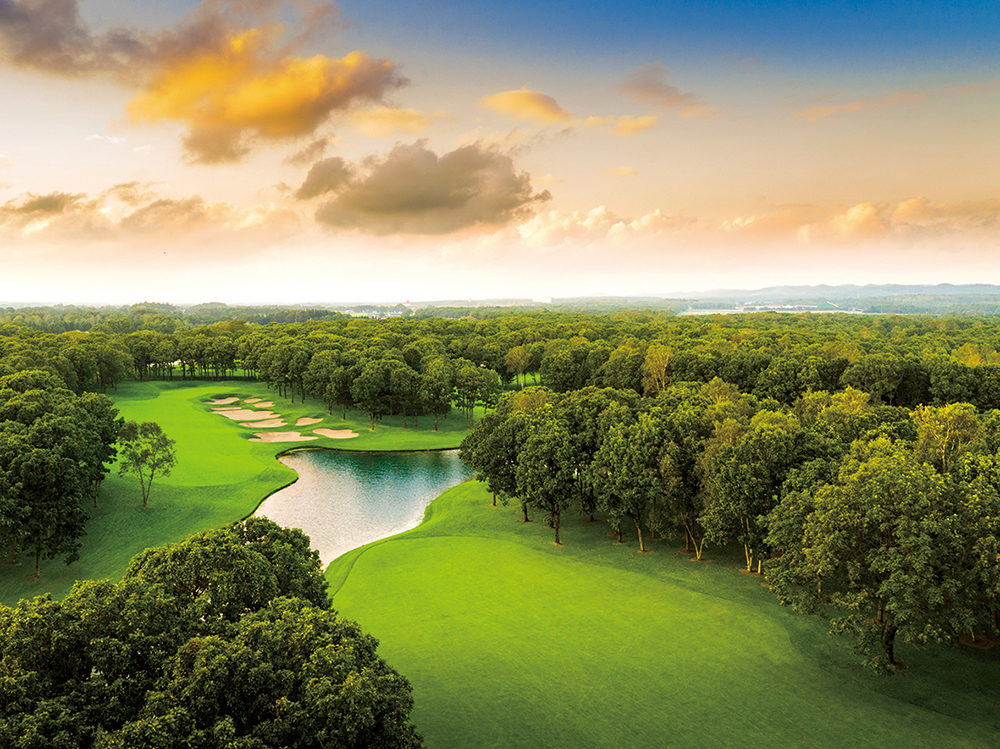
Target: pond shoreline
(344,499)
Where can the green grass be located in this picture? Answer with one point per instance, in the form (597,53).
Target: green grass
(220,475)
(511,641)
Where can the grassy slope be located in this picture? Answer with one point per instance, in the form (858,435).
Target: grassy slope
(511,641)
(220,476)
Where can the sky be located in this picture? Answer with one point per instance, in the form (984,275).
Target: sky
(259,151)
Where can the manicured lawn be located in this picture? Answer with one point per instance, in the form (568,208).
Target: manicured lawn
(220,475)
(511,641)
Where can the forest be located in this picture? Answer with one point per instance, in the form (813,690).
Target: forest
(852,459)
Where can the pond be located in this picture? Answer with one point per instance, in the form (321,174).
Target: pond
(345,499)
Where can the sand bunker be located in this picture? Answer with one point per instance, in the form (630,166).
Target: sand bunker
(281,437)
(221,401)
(336,434)
(265,404)
(266,424)
(245,414)
(306,421)
(251,400)
(227,408)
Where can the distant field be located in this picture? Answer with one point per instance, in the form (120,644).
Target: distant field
(510,641)
(220,475)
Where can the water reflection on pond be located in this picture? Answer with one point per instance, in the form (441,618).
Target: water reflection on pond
(343,499)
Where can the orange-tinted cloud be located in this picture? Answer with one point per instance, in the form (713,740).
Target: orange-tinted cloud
(815,114)
(628,125)
(231,71)
(412,190)
(240,92)
(649,85)
(526,105)
(621,171)
(385,122)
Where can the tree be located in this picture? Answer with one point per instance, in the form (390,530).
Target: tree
(371,390)
(436,386)
(656,369)
(944,433)
(888,544)
(626,473)
(745,478)
(52,449)
(145,452)
(516,362)
(179,653)
(545,468)
(491,449)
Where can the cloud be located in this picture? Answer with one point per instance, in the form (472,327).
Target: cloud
(628,125)
(815,114)
(385,122)
(231,71)
(623,125)
(557,228)
(310,152)
(240,92)
(134,210)
(526,105)
(548,180)
(130,193)
(49,36)
(621,171)
(921,215)
(325,176)
(412,190)
(911,219)
(32,204)
(649,85)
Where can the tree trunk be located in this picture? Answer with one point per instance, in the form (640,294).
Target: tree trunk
(494,499)
(618,530)
(524,513)
(555,526)
(38,562)
(889,643)
(435,422)
(698,548)
(638,528)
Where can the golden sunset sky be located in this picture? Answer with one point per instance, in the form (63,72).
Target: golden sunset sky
(383,151)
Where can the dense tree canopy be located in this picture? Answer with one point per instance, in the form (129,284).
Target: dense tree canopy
(224,640)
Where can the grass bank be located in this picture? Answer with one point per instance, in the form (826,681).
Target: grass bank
(220,476)
(511,641)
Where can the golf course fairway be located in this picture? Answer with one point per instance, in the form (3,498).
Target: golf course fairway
(221,474)
(511,641)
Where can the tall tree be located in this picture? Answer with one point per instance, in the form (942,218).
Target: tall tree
(545,468)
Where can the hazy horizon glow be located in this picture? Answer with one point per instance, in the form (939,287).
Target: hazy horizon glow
(262,151)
